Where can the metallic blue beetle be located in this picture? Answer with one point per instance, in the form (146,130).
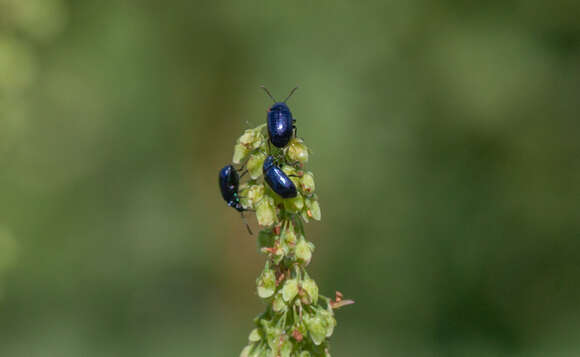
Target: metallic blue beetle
(280,121)
(278,181)
(229,181)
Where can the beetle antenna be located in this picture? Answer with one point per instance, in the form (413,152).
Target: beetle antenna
(291,92)
(246,222)
(268,92)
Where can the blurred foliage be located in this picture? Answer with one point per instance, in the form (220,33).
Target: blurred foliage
(445,142)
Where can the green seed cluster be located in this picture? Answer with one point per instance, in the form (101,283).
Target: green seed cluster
(298,320)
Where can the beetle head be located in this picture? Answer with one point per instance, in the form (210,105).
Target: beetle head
(268,163)
(280,107)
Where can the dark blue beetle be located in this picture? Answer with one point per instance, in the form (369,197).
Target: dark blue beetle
(280,121)
(229,181)
(278,181)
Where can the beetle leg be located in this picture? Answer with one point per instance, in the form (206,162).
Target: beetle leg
(246,222)
(243,165)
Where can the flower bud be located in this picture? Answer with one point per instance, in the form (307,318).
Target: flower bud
(255,163)
(303,251)
(297,151)
(251,139)
(300,326)
(313,209)
(265,211)
(328,321)
(290,289)
(289,170)
(280,251)
(243,194)
(292,174)
(307,183)
(311,289)
(273,337)
(278,304)
(240,153)
(294,204)
(254,194)
(290,237)
(278,255)
(285,348)
(304,354)
(266,283)
(316,328)
(254,336)
(246,351)
(259,350)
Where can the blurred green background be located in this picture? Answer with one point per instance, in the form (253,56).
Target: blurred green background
(446,148)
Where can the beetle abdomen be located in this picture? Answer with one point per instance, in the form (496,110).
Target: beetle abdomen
(278,181)
(229,181)
(280,125)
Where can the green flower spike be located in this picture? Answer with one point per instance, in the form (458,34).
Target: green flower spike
(298,321)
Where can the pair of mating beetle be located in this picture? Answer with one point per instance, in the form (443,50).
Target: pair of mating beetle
(280,130)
